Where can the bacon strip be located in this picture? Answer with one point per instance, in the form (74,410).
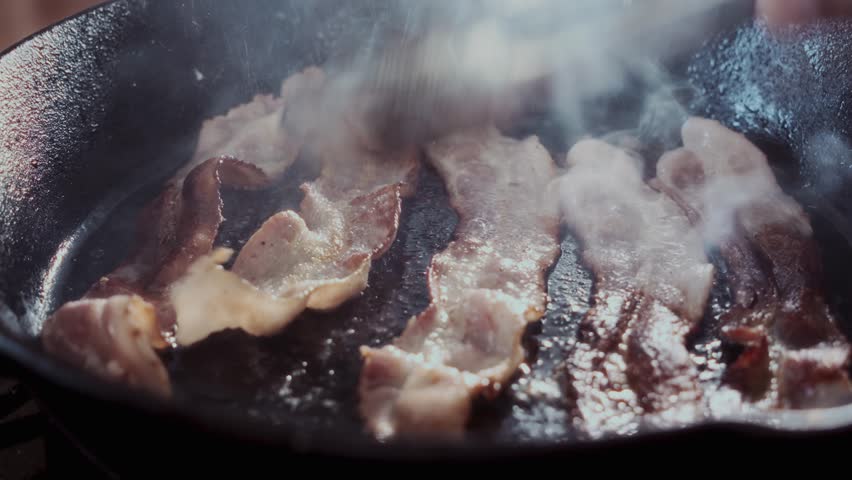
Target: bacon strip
(485,287)
(755,298)
(130,304)
(780,313)
(268,132)
(652,283)
(113,337)
(315,259)
(113,330)
(182,222)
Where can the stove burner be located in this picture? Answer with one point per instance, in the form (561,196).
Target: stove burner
(32,445)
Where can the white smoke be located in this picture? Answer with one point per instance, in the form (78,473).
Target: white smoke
(828,162)
(724,197)
(484,55)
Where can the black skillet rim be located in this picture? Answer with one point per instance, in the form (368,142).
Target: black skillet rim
(38,367)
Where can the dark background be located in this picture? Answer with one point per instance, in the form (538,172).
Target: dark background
(19,18)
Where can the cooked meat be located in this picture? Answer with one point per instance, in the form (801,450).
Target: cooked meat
(112,331)
(766,241)
(652,283)
(484,288)
(645,246)
(348,217)
(176,228)
(268,132)
(289,267)
(814,377)
(113,337)
(181,224)
(317,258)
(210,299)
(754,295)
(783,13)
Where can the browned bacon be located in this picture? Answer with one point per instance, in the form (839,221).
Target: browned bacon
(113,337)
(652,282)
(754,296)
(268,132)
(485,287)
(794,355)
(174,230)
(317,258)
(181,223)
(783,13)
(113,331)
(177,227)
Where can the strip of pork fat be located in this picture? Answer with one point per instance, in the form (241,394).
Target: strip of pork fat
(652,281)
(794,356)
(115,328)
(485,288)
(316,258)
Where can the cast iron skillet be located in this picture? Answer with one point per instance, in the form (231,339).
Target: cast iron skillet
(98,110)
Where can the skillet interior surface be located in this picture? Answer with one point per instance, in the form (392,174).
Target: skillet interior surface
(89,129)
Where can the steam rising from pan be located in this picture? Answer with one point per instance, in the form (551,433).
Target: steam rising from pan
(453,64)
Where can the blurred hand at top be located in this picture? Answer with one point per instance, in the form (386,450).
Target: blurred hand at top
(797,12)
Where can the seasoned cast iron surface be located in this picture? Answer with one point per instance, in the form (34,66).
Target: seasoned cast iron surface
(120,126)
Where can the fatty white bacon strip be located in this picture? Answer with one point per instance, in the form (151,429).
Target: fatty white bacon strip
(317,258)
(795,356)
(113,337)
(485,287)
(267,132)
(652,281)
(245,148)
(114,330)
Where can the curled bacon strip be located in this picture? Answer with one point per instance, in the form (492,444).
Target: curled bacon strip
(179,226)
(112,337)
(485,288)
(317,258)
(112,331)
(794,354)
(269,131)
(652,281)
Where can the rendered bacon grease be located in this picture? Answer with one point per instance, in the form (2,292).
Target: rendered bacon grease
(485,288)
